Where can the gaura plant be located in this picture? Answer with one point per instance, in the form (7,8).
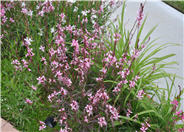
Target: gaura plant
(28,28)
(94,84)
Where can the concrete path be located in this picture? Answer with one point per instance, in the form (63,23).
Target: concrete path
(170,30)
(6,127)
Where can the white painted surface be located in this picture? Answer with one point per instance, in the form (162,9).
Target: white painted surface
(170,30)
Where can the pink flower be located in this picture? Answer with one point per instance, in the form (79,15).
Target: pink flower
(140,94)
(100,10)
(137,77)
(42,48)
(59,40)
(181,130)
(24,10)
(11,20)
(61,110)
(175,102)
(29,52)
(63,91)
(41,13)
(103,70)
(102,122)
(63,118)
(125,82)
(30,13)
(98,79)
(113,111)
(145,127)
(17,65)
(62,15)
(128,112)
(28,101)
(140,14)
(25,63)
(74,105)
(43,59)
(15,62)
(116,89)
(33,87)
(182,117)
(69,28)
(122,74)
(104,95)
(42,126)
(117,37)
(52,95)
(127,72)
(66,129)
(67,81)
(52,52)
(4,19)
(178,113)
(41,79)
(89,109)
(76,45)
(28,41)
(132,84)
(85,20)
(86,119)
(136,53)
(63,130)
(2,11)
(148,125)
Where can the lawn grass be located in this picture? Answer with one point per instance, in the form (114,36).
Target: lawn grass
(178,5)
(14,91)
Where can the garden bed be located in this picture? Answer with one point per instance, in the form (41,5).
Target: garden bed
(65,69)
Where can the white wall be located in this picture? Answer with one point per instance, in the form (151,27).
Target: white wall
(170,30)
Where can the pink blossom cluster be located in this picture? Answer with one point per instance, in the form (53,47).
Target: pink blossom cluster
(45,7)
(128,112)
(178,113)
(42,125)
(74,105)
(17,65)
(28,101)
(113,111)
(140,14)
(145,126)
(89,109)
(3,9)
(140,94)
(3,16)
(101,121)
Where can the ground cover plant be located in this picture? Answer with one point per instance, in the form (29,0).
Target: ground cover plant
(63,70)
